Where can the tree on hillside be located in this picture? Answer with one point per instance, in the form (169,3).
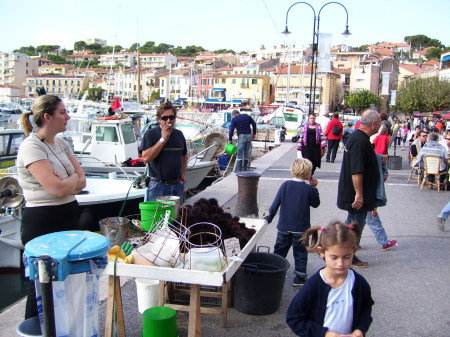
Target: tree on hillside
(424,94)
(65,52)
(134,46)
(44,49)
(225,51)
(361,48)
(422,41)
(80,45)
(362,100)
(94,46)
(55,58)
(30,51)
(188,51)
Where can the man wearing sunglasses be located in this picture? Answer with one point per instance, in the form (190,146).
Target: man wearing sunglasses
(165,152)
(416,146)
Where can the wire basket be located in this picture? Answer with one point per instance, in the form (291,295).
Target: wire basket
(160,247)
(204,248)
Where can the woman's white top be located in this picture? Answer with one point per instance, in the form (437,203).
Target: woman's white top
(33,149)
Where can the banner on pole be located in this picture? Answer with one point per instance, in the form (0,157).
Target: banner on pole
(385,83)
(324,63)
(393,97)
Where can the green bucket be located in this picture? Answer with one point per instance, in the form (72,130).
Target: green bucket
(153,212)
(230,148)
(159,322)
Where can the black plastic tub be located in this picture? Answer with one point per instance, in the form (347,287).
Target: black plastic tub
(259,283)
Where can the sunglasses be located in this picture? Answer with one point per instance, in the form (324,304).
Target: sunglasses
(447,138)
(171,117)
(53,101)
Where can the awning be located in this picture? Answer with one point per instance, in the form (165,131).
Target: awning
(179,100)
(218,89)
(161,99)
(214,100)
(446,58)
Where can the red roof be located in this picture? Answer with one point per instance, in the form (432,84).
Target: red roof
(295,70)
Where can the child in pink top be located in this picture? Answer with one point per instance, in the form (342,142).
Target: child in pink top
(381,141)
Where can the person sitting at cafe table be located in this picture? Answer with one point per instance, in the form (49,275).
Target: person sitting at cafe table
(416,146)
(432,146)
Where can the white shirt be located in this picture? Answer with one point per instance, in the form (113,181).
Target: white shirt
(339,312)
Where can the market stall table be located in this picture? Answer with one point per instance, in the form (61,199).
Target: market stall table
(195,278)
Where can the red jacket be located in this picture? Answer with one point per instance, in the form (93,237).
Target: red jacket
(381,143)
(330,126)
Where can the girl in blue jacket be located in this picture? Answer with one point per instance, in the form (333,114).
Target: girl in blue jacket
(336,301)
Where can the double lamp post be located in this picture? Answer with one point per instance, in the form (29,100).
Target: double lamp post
(315,43)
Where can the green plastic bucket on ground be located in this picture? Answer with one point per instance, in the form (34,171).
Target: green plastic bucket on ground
(230,148)
(153,212)
(159,322)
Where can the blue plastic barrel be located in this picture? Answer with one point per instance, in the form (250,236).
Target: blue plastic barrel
(223,161)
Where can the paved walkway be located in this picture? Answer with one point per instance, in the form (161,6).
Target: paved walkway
(410,283)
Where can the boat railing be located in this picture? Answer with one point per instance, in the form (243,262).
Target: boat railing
(91,159)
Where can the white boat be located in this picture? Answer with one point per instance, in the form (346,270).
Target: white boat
(11,200)
(289,116)
(113,142)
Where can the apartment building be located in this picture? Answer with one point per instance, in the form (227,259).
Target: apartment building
(283,53)
(293,84)
(240,88)
(55,69)
(116,59)
(81,56)
(157,60)
(9,93)
(15,67)
(61,85)
(101,42)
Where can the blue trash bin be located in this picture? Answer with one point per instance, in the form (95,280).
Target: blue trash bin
(223,161)
(53,257)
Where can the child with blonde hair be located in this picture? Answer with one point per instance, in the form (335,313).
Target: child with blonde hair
(336,301)
(294,198)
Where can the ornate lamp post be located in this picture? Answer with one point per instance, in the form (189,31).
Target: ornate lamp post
(315,42)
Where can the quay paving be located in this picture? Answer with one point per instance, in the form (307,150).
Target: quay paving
(410,283)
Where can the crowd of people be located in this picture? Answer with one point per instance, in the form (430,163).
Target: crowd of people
(314,310)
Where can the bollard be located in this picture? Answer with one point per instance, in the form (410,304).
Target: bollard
(277,137)
(247,204)
(394,163)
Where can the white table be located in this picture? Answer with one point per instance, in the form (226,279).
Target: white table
(195,278)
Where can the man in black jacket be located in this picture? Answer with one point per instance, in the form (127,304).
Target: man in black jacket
(242,124)
(359,174)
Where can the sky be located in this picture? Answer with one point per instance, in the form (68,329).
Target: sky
(240,25)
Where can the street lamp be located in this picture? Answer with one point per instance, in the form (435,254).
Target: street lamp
(315,43)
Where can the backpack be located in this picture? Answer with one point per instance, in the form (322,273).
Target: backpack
(336,130)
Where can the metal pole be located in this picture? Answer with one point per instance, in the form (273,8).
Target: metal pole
(45,280)
(312,92)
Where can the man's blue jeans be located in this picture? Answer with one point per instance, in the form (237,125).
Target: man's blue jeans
(243,146)
(359,218)
(282,245)
(156,189)
(445,211)
(376,226)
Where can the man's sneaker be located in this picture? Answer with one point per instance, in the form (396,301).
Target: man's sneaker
(389,245)
(298,281)
(360,264)
(441,223)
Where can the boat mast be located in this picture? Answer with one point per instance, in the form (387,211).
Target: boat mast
(138,65)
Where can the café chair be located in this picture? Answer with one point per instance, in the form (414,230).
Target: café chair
(432,165)
(415,169)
